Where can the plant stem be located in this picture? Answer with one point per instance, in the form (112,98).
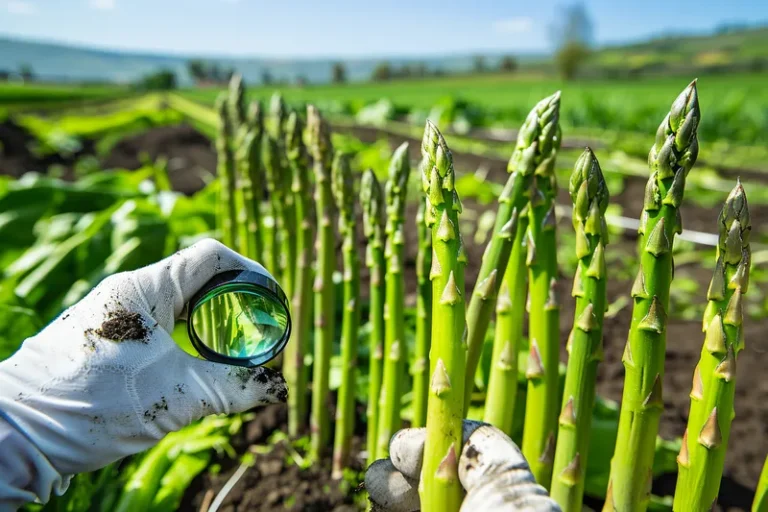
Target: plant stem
(373,225)
(322,150)
(344,190)
(535,153)
(510,309)
(294,369)
(271,159)
(248,160)
(585,348)
(760,503)
(702,455)
(395,350)
(440,489)
(540,426)
(226,172)
(423,320)
(236,103)
(672,156)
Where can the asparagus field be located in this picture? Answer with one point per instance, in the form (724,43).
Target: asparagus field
(542,287)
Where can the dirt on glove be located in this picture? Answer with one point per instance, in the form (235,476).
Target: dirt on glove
(122,325)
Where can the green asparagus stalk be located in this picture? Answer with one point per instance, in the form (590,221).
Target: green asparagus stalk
(322,151)
(440,489)
(590,199)
(373,225)
(344,191)
(671,158)
(278,114)
(273,175)
(255,115)
(423,320)
(510,309)
(395,354)
(702,455)
(225,170)
(537,144)
(540,427)
(295,371)
(760,503)
(248,160)
(287,209)
(236,104)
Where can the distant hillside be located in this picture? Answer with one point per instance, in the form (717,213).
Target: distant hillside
(737,48)
(58,62)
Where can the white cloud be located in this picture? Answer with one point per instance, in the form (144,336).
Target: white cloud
(519,25)
(21,7)
(102,5)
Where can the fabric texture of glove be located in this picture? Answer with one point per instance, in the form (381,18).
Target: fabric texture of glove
(105,379)
(492,470)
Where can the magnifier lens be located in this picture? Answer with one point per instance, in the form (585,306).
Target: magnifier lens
(241,322)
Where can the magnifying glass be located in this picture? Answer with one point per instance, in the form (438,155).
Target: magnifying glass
(239,317)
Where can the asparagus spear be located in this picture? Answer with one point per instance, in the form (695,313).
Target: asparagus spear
(423,320)
(322,151)
(537,144)
(236,105)
(344,191)
(671,157)
(702,455)
(255,120)
(273,175)
(248,160)
(277,116)
(373,225)
(510,308)
(226,172)
(394,346)
(590,199)
(293,363)
(287,209)
(540,425)
(440,488)
(760,503)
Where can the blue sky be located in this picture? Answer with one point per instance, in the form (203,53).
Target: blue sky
(346,28)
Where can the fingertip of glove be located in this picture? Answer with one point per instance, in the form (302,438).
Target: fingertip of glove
(273,383)
(266,385)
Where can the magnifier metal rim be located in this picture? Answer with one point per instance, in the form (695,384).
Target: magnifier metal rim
(256,280)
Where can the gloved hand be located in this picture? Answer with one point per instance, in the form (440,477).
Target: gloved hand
(492,470)
(105,379)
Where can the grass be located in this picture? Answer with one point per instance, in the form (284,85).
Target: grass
(734,103)
(19,96)
(507,91)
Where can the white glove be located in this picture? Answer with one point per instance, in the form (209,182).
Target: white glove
(73,400)
(492,470)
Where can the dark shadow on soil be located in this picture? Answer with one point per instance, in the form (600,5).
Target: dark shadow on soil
(191,158)
(17,156)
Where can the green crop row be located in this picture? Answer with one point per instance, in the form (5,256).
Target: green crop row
(109,222)
(735,103)
(557,422)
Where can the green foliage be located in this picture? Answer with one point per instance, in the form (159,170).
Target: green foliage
(163,80)
(570,58)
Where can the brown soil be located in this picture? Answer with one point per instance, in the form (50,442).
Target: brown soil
(121,326)
(272,483)
(17,156)
(191,158)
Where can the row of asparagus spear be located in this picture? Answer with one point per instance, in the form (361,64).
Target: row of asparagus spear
(518,272)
